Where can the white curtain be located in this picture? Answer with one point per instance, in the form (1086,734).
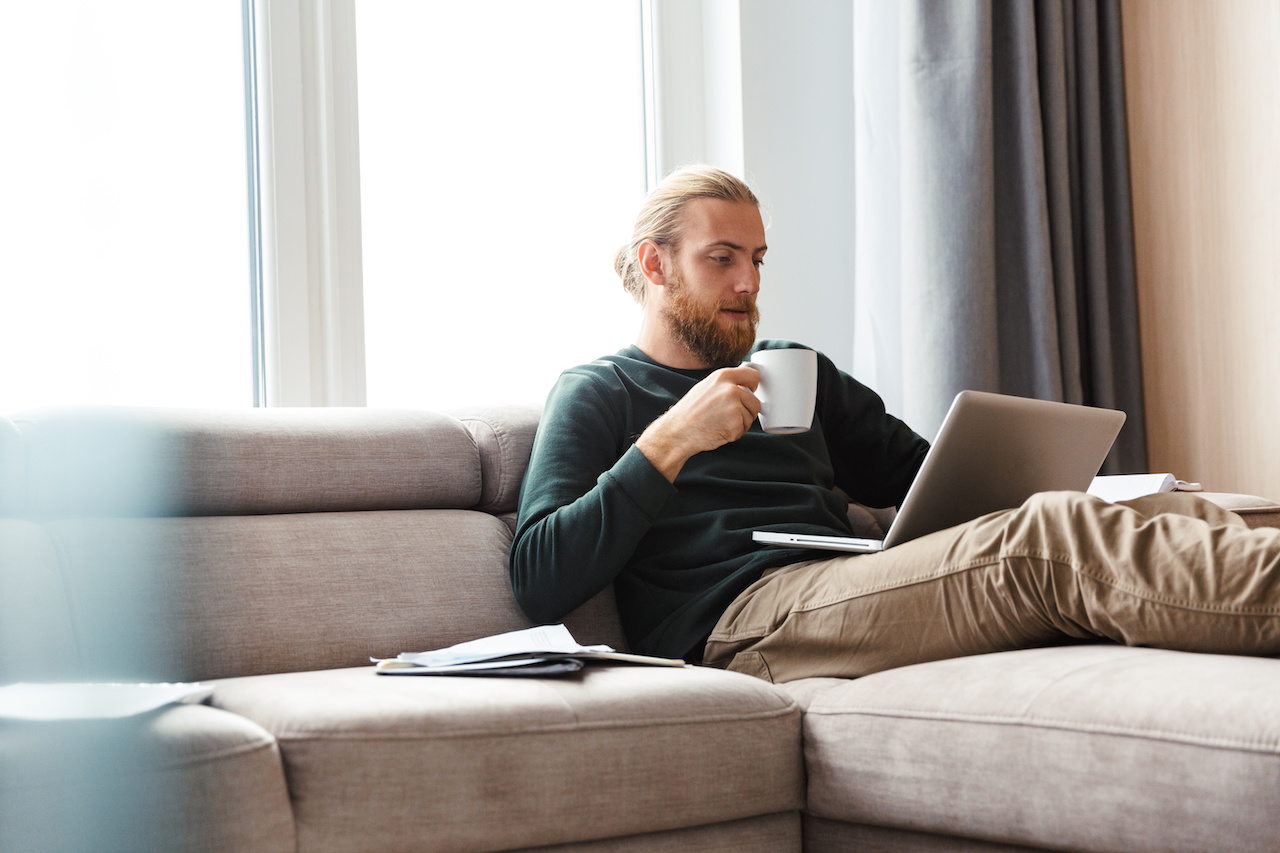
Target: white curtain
(877,338)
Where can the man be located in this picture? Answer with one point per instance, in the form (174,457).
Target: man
(650,472)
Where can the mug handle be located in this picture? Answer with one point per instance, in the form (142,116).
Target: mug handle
(758,369)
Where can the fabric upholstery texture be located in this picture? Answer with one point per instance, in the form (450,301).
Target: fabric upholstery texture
(198,598)
(597,621)
(195,598)
(470,764)
(1086,748)
(775,833)
(831,836)
(805,690)
(504,439)
(188,778)
(233,462)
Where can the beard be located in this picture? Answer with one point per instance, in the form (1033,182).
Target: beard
(697,325)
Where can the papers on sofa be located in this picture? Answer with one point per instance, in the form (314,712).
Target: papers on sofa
(1126,487)
(544,650)
(93,701)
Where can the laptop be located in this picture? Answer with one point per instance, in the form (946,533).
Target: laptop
(992,453)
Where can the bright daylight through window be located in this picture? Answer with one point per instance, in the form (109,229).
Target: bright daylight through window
(501,164)
(124,271)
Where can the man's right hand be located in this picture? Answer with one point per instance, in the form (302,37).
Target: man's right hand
(718,410)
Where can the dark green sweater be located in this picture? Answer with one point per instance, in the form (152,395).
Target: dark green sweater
(594,510)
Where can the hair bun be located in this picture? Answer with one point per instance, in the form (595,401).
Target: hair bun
(620,262)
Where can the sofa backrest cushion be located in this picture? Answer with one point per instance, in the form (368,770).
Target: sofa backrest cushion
(188,545)
(210,597)
(160,462)
(504,439)
(178,599)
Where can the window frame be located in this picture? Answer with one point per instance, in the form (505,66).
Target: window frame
(308,175)
(311,293)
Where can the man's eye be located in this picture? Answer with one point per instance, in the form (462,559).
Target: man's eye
(759,262)
(724,259)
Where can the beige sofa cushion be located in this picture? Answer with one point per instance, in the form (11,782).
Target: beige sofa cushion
(229,462)
(188,777)
(504,439)
(181,599)
(835,836)
(1092,747)
(775,833)
(380,763)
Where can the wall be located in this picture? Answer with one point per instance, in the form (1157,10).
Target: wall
(764,90)
(1203,89)
(798,149)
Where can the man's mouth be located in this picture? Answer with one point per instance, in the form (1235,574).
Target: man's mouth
(736,312)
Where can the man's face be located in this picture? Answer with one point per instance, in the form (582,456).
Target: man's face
(709,301)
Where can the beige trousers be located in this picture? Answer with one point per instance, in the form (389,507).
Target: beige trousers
(1168,570)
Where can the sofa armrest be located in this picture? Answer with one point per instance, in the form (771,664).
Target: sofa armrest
(1256,511)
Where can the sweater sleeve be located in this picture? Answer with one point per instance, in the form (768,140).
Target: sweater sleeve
(588,498)
(875,456)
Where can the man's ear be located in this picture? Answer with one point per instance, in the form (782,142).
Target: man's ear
(653,262)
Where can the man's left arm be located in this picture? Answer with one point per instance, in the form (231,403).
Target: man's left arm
(875,456)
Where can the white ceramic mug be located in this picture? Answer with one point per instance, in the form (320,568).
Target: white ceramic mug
(788,388)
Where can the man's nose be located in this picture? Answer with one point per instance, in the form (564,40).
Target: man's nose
(748,280)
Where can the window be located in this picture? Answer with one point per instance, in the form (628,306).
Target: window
(501,158)
(123,226)
(501,164)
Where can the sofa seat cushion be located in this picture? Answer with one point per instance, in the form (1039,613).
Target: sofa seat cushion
(387,763)
(1088,748)
(186,777)
(774,833)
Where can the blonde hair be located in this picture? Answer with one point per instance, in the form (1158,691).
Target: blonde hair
(660,218)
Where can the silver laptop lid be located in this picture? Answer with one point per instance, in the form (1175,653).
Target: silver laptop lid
(995,451)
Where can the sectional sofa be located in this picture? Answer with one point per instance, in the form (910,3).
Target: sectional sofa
(271,553)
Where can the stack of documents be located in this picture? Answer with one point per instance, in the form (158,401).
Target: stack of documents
(544,650)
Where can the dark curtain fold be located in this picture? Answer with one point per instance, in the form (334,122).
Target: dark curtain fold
(1017,251)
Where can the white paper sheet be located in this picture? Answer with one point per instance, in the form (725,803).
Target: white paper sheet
(553,639)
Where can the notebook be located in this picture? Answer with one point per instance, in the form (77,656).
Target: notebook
(993,452)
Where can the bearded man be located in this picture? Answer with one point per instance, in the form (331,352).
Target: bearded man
(650,472)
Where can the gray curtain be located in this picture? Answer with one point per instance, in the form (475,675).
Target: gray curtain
(1016,238)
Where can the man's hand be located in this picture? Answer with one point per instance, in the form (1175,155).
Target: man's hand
(716,411)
